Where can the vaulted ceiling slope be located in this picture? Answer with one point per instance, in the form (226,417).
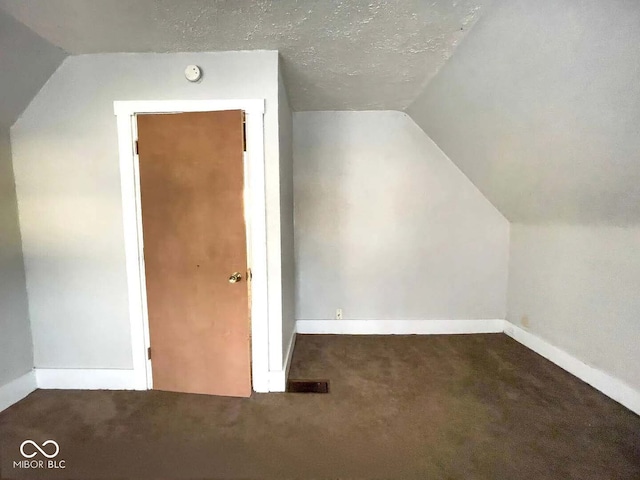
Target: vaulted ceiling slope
(26,63)
(338,54)
(540,108)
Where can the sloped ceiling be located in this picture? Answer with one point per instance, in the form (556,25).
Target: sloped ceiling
(338,54)
(26,62)
(540,108)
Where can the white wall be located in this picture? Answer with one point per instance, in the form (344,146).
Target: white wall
(16,351)
(387,228)
(68,186)
(285,119)
(540,108)
(577,287)
(26,62)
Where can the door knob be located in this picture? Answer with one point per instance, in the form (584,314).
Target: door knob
(235,277)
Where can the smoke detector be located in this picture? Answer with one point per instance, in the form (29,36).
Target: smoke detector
(193,73)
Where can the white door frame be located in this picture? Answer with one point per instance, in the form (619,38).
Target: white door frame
(255,209)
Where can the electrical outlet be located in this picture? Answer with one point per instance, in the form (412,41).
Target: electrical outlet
(339,314)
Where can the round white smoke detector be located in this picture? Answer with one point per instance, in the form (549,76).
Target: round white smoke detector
(193,73)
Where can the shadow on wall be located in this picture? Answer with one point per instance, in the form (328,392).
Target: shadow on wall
(540,107)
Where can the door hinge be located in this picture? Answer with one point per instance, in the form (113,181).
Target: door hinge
(244,132)
(149,353)
(136,147)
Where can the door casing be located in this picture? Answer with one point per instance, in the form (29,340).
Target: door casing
(255,205)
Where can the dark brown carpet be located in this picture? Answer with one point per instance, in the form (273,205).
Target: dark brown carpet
(424,407)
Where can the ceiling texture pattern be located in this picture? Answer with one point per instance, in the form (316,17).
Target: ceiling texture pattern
(539,105)
(337,54)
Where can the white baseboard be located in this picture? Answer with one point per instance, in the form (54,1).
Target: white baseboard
(612,387)
(278,378)
(399,327)
(16,390)
(107,379)
(87,379)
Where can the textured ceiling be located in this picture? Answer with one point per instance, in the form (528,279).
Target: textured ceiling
(338,55)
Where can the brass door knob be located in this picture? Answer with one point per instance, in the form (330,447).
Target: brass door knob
(235,277)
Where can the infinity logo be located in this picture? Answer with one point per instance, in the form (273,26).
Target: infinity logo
(31,455)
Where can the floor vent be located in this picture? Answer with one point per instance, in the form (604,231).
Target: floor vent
(308,386)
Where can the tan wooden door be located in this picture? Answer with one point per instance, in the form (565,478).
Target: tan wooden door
(191,186)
